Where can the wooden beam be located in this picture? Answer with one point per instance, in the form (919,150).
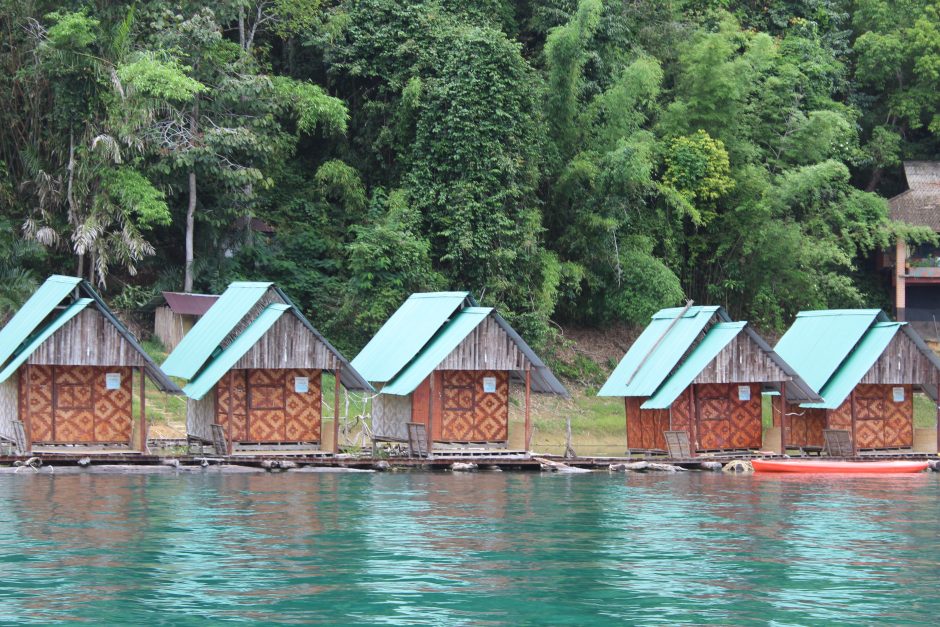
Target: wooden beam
(528,396)
(626,421)
(336,375)
(231,403)
(783,416)
(852,409)
(693,419)
(28,422)
(143,409)
(938,416)
(431,391)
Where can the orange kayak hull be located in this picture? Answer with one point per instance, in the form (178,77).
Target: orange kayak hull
(812,466)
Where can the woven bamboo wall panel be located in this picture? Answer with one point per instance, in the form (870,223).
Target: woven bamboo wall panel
(645,427)
(726,421)
(232,399)
(804,426)
(72,405)
(469,413)
(303,411)
(880,422)
(841,416)
(680,414)
(267,407)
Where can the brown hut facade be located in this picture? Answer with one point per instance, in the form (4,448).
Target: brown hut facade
(177,316)
(68,369)
(866,369)
(254,365)
(445,363)
(696,372)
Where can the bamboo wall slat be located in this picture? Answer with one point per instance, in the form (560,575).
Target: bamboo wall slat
(391,415)
(170,327)
(200,415)
(487,347)
(902,362)
(741,361)
(288,344)
(88,339)
(9,405)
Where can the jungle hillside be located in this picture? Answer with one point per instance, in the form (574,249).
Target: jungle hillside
(573,163)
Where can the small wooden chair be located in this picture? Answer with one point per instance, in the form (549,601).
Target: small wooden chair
(417,440)
(838,442)
(19,435)
(677,443)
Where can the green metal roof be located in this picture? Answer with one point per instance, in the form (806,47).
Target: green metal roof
(657,351)
(227,359)
(819,341)
(197,346)
(33,312)
(719,336)
(406,333)
(44,335)
(858,363)
(436,350)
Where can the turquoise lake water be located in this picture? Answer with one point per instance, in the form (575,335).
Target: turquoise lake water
(481,549)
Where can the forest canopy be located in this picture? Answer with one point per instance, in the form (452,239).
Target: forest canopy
(569,161)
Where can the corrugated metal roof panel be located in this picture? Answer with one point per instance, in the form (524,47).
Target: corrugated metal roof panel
(859,362)
(189,304)
(819,341)
(197,346)
(227,359)
(436,350)
(645,366)
(44,335)
(33,312)
(719,336)
(403,335)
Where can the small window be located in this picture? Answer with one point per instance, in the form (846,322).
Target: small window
(112,381)
(897,394)
(489,385)
(744,392)
(301,385)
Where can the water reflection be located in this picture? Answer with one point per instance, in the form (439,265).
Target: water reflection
(468,549)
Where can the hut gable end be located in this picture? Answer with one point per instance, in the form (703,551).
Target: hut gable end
(288,344)
(742,360)
(487,347)
(902,362)
(88,339)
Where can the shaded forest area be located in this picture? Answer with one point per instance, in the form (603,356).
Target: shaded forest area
(582,162)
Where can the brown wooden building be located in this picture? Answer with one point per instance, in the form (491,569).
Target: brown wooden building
(695,372)
(866,370)
(255,366)
(68,373)
(178,314)
(443,362)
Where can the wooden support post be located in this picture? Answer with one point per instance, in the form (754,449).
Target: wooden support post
(938,417)
(693,419)
(143,411)
(337,373)
(626,421)
(783,417)
(431,391)
(852,409)
(528,395)
(231,403)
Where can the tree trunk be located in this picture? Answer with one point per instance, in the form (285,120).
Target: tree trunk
(190,222)
(241,27)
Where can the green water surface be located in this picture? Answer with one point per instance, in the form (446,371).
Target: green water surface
(474,549)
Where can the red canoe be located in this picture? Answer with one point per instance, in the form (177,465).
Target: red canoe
(813,466)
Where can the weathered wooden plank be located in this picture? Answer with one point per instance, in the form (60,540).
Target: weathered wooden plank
(88,339)
(487,347)
(742,361)
(288,344)
(902,362)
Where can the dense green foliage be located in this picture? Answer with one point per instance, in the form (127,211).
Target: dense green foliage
(581,161)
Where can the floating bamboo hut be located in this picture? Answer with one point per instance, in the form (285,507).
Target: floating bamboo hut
(254,366)
(695,373)
(177,315)
(445,363)
(67,377)
(865,368)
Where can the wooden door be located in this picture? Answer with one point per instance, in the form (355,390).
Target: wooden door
(232,400)
(271,405)
(714,414)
